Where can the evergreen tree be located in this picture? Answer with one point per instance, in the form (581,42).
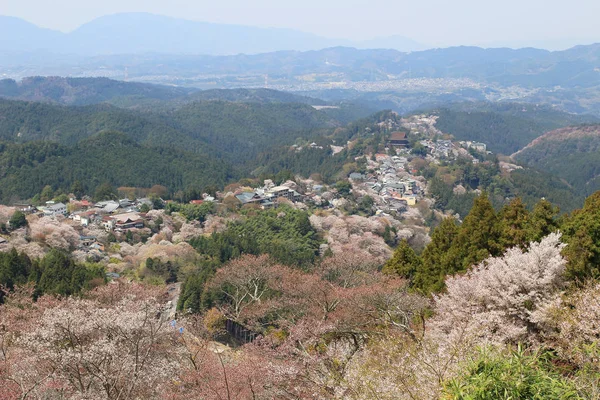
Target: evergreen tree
(77,189)
(514,224)
(106,191)
(404,262)
(581,232)
(479,235)
(542,220)
(436,261)
(47,194)
(17,220)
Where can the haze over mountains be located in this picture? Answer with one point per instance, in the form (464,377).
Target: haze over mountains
(134,33)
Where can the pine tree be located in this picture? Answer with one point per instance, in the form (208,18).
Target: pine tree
(404,262)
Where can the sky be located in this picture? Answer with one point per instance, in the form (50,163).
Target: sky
(431,22)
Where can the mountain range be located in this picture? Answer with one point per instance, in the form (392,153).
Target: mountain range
(136,33)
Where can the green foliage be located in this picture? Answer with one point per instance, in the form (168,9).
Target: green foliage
(59,274)
(197,212)
(532,185)
(571,154)
(15,269)
(17,220)
(436,259)
(77,189)
(105,192)
(56,273)
(167,271)
(514,220)
(192,296)
(483,233)
(581,231)
(479,235)
(284,233)
(47,194)
(343,188)
(505,128)
(419,150)
(174,149)
(515,375)
(110,157)
(306,162)
(404,262)
(542,220)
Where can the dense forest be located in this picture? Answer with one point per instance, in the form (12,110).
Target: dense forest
(572,154)
(223,129)
(108,157)
(505,128)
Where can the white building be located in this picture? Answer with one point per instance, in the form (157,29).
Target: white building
(55,209)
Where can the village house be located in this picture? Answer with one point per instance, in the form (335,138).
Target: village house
(107,207)
(283,192)
(25,208)
(128,221)
(85,218)
(53,210)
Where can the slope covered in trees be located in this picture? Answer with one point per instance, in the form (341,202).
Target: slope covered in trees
(572,154)
(85,91)
(88,91)
(505,128)
(218,125)
(106,157)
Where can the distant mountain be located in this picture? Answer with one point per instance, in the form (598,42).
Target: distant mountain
(578,67)
(395,42)
(19,35)
(572,154)
(136,33)
(85,91)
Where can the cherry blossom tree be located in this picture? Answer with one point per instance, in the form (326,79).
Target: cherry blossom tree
(499,300)
(111,345)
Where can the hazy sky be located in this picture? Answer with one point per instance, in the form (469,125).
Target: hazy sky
(433,22)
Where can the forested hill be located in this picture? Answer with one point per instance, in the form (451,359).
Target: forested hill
(259,95)
(204,143)
(110,157)
(87,91)
(504,127)
(235,131)
(572,154)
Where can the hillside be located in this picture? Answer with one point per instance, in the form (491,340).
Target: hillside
(571,153)
(84,91)
(236,131)
(258,95)
(504,127)
(88,91)
(106,157)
